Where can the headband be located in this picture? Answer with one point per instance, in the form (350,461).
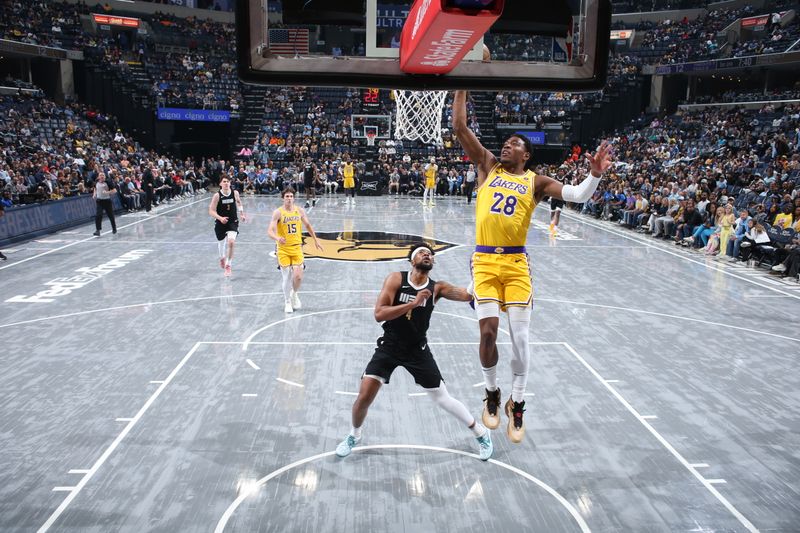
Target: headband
(414,254)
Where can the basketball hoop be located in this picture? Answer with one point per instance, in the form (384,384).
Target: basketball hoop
(419,115)
(371,138)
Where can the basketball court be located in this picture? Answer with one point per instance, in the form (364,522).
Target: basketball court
(161,396)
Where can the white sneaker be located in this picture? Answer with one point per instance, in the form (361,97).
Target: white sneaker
(779,268)
(287,308)
(296,301)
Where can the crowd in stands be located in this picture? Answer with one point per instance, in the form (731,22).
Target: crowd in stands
(723,182)
(774,39)
(744,97)
(51,152)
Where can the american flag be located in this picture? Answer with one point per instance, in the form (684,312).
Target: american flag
(289,41)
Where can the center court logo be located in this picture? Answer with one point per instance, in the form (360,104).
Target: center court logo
(367,245)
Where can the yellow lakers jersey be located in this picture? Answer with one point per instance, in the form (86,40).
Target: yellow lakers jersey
(503,208)
(430,172)
(290,227)
(348,170)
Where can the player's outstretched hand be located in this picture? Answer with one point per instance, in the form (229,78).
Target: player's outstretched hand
(422,297)
(601,160)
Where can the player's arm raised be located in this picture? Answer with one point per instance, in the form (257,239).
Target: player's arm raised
(239,206)
(451,292)
(599,163)
(483,159)
(384,310)
(272,230)
(212,209)
(307,224)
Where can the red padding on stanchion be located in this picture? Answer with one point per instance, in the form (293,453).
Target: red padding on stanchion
(436,37)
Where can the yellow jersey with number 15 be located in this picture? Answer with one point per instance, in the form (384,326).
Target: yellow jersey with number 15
(290,227)
(503,208)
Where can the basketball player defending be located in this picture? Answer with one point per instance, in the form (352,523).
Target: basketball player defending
(507,196)
(405,305)
(286,228)
(226,208)
(431,170)
(349,182)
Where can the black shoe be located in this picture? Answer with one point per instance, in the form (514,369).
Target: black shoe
(491,418)
(96,233)
(114,231)
(3,257)
(516,427)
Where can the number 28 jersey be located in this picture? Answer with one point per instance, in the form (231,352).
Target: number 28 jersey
(290,227)
(503,208)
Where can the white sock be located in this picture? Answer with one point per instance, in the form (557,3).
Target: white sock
(228,261)
(479,430)
(221,248)
(519,320)
(490,378)
(286,272)
(356,432)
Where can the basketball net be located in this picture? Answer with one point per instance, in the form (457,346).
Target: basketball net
(419,115)
(371,138)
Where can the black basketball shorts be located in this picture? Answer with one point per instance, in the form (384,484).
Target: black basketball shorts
(418,360)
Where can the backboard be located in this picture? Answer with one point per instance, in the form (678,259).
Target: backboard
(562,45)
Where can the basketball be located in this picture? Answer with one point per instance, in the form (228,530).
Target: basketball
(487,54)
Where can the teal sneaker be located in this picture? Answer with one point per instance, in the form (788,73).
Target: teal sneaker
(346,446)
(486,448)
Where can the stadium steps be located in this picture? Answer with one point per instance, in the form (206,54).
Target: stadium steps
(484,111)
(252,116)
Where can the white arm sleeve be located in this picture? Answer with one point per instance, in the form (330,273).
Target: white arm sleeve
(578,194)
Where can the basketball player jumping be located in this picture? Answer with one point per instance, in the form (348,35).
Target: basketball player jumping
(225,208)
(286,228)
(405,305)
(507,196)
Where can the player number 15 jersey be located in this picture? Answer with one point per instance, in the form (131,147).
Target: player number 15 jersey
(503,208)
(290,227)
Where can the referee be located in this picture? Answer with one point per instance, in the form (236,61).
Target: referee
(102,197)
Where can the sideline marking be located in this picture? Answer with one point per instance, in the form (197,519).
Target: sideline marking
(104,233)
(724,501)
(223,521)
(113,446)
(664,250)
(253,365)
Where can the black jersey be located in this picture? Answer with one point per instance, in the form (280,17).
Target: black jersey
(411,328)
(308,172)
(226,207)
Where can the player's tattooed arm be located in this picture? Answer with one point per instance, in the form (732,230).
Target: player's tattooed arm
(384,310)
(451,292)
